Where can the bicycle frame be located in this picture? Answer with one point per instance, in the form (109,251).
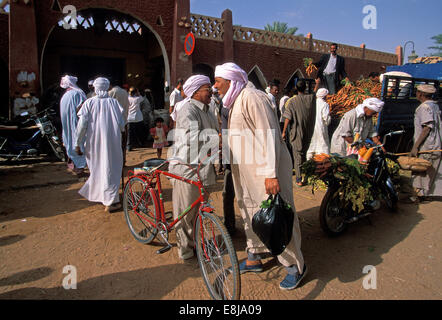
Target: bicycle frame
(154,179)
(212,242)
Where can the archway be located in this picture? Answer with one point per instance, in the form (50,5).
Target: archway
(107,43)
(257,78)
(204,69)
(292,81)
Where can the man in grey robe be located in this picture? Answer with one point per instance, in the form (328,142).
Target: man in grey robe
(300,113)
(193,121)
(427,136)
(358,120)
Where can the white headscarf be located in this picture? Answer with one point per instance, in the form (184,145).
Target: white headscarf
(101,86)
(194,83)
(70,82)
(322,93)
(372,103)
(238,80)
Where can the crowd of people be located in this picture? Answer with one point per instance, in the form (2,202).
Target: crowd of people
(95,126)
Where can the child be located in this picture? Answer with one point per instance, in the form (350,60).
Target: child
(159,134)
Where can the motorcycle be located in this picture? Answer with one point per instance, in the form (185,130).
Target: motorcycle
(12,149)
(334,217)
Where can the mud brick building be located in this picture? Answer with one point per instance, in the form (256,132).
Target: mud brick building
(141,43)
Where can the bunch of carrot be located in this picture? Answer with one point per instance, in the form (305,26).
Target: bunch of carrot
(310,67)
(349,96)
(323,164)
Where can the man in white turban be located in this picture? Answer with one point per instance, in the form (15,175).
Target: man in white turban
(70,101)
(100,124)
(358,120)
(320,142)
(122,97)
(427,136)
(195,125)
(91,92)
(253,121)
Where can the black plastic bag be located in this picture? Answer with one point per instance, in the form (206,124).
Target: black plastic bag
(273,224)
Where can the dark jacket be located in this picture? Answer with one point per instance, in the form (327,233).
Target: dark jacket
(340,68)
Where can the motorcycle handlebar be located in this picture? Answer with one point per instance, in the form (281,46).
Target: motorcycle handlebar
(397,132)
(392,133)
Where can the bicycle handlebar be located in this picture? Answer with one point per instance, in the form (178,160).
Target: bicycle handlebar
(207,159)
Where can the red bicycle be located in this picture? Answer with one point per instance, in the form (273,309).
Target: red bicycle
(143,206)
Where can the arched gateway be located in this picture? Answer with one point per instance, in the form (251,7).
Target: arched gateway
(106,43)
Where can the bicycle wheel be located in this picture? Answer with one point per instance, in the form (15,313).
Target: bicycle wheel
(140,210)
(217,258)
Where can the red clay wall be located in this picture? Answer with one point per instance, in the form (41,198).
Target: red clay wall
(279,63)
(208,52)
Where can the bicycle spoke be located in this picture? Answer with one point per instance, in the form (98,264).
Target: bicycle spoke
(219,269)
(143,209)
(138,205)
(216,262)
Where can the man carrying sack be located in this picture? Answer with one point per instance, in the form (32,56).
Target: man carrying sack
(427,136)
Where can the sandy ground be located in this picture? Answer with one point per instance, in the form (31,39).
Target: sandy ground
(46,225)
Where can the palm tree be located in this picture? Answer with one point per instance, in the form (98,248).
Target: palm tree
(438,40)
(281,27)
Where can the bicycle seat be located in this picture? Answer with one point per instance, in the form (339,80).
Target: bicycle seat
(152,163)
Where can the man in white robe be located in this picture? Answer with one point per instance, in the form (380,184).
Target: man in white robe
(320,142)
(253,120)
(192,122)
(176,95)
(122,97)
(100,124)
(70,101)
(272,94)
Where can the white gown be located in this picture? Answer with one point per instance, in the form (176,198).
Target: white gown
(320,141)
(101,122)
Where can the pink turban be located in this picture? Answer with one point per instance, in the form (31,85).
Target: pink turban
(194,83)
(238,80)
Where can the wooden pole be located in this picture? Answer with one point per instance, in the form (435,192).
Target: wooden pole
(407,153)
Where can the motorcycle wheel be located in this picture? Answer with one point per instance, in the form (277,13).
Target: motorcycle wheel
(331,215)
(390,197)
(58,150)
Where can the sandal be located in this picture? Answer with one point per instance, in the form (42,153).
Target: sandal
(113,207)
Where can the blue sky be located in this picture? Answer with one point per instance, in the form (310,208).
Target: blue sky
(340,21)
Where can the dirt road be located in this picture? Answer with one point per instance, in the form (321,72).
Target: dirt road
(46,225)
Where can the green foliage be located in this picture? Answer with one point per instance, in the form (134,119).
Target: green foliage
(266,204)
(355,185)
(393,169)
(438,41)
(307,61)
(281,27)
